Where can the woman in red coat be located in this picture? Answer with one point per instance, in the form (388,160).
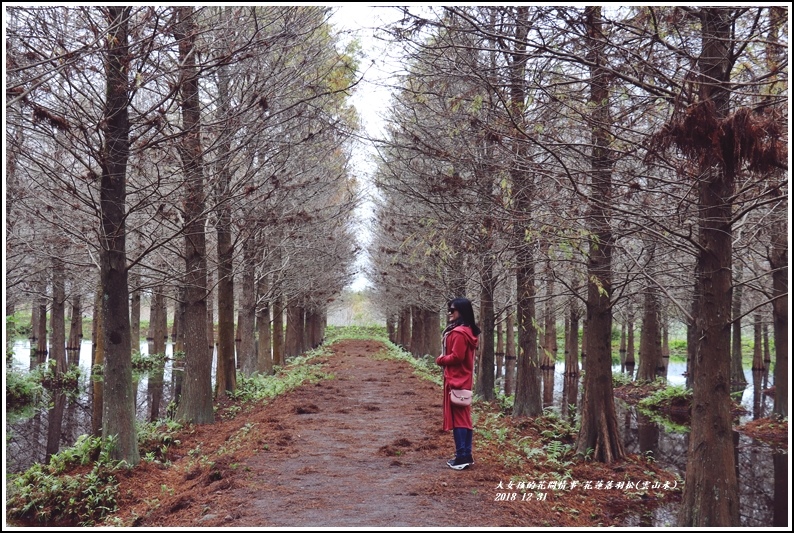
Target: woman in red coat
(459,343)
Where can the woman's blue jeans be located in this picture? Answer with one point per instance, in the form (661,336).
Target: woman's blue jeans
(462,438)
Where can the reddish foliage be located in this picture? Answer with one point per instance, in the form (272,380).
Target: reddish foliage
(745,137)
(769,430)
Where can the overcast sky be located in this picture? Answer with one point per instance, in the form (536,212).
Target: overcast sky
(370,98)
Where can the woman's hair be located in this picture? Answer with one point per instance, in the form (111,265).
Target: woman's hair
(465,312)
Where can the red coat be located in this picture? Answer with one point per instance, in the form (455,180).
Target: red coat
(458,363)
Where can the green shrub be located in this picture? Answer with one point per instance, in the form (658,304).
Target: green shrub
(299,370)
(155,438)
(43,493)
(18,326)
(677,349)
(620,379)
(26,390)
(663,401)
(666,396)
(147,363)
(23,389)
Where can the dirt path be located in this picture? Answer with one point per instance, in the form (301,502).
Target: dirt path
(362,450)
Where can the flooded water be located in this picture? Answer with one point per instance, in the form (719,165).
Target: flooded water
(763,473)
(26,440)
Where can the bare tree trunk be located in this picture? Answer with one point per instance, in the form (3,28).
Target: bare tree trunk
(247,317)
(398,328)
(278,331)
(294,330)
(178,340)
(264,363)
(15,138)
(75,331)
(40,288)
(622,348)
(58,354)
(572,342)
(737,370)
(778,259)
(776,56)
(434,332)
(323,322)
(40,335)
(226,373)
(550,334)
(630,361)
(313,329)
(570,397)
(758,357)
(767,352)
(404,329)
(196,401)
(662,371)
(135,313)
(422,325)
(499,355)
(55,423)
(303,336)
(566,334)
(211,322)
(528,385)
(583,354)
(711,493)
(599,426)
(97,363)
(485,377)
(238,339)
(179,320)
(162,326)
(158,332)
(118,416)
(391,330)
(510,354)
(651,337)
(548,386)
(58,317)
(309,330)
(647,435)
(417,331)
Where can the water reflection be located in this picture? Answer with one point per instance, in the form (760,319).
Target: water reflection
(762,472)
(33,439)
(647,434)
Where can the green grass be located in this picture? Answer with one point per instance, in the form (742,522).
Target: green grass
(654,405)
(45,492)
(337,333)
(299,370)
